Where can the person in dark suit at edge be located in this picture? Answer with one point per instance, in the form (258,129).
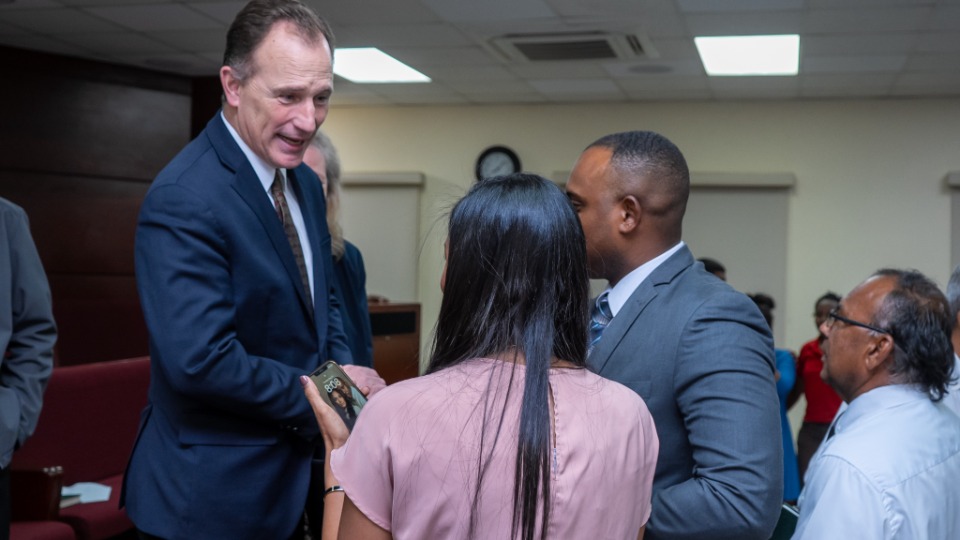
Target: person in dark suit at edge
(27,336)
(234,272)
(351,290)
(699,353)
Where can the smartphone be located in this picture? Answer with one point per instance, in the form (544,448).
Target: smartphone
(339,391)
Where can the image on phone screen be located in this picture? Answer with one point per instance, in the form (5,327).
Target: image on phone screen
(339,392)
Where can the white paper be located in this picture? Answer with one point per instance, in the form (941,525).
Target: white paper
(89,492)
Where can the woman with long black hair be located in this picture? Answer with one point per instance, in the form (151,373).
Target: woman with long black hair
(507,435)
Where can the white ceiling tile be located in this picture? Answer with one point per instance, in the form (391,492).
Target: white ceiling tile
(170,62)
(945,18)
(44,44)
(489,10)
(847,44)
(400,35)
(224,12)
(374,12)
(492,87)
(670,94)
(557,70)
(575,86)
(30,4)
(932,62)
(82,3)
(505,98)
(874,19)
(938,42)
(10,30)
(446,56)
(675,48)
(111,43)
(863,81)
(745,24)
(653,68)
(57,21)
(664,83)
(847,64)
(728,6)
(470,73)
(192,40)
(338,101)
(156,17)
(754,87)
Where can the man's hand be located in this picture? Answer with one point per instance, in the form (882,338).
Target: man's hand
(368,380)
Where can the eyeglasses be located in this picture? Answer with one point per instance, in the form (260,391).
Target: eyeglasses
(833,316)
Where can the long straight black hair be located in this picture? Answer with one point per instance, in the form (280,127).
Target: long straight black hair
(516,281)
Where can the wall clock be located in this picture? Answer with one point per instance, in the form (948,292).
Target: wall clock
(497,161)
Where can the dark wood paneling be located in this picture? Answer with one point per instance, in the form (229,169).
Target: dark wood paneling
(81,143)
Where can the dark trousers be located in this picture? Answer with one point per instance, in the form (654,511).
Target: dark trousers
(297,534)
(808,440)
(4,504)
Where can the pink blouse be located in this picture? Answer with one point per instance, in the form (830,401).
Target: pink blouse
(411,463)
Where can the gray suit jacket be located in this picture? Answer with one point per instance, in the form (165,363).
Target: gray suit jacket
(701,356)
(27,331)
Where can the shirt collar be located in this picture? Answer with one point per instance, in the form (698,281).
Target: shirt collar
(263,171)
(876,400)
(620,293)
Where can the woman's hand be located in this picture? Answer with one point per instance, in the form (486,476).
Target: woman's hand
(332,428)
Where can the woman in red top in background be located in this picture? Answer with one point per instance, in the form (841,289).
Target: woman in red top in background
(822,401)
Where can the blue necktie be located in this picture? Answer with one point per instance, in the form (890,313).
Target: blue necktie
(599,320)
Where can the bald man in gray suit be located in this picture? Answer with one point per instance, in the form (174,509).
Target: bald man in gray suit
(699,353)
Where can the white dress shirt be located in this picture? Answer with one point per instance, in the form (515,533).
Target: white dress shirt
(891,470)
(952,399)
(620,293)
(265,173)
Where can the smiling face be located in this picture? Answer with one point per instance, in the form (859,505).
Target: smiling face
(278,107)
(338,398)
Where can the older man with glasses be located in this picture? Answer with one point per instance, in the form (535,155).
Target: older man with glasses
(890,464)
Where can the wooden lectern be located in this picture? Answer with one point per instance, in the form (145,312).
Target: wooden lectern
(396,340)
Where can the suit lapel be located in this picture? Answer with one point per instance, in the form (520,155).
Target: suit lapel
(636,305)
(248,186)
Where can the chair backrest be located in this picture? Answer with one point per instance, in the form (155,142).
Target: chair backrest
(89,419)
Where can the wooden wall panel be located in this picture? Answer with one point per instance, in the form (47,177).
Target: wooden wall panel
(81,143)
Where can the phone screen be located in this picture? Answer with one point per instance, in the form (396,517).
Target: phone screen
(339,392)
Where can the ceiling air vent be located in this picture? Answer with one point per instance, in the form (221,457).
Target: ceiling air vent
(571,46)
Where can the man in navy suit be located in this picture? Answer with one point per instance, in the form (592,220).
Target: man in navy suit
(234,273)
(698,352)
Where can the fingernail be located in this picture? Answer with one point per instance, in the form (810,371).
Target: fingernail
(304,380)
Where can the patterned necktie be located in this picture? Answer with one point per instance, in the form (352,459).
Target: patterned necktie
(283,212)
(599,320)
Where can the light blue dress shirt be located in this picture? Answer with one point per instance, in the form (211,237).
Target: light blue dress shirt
(890,470)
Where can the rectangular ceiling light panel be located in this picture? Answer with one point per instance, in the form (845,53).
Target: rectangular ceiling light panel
(750,55)
(371,65)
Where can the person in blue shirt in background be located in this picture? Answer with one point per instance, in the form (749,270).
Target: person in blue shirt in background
(786,377)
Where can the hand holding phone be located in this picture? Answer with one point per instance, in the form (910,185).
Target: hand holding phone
(339,392)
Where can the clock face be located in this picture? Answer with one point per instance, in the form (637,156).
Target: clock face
(497,161)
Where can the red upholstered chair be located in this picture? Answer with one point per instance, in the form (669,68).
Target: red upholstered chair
(41,530)
(87,427)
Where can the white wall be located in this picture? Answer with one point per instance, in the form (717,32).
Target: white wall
(869,190)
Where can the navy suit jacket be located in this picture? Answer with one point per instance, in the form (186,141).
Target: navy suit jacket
(352,295)
(701,356)
(227,436)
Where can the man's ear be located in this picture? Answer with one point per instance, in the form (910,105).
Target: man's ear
(630,212)
(231,85)
(879,351)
